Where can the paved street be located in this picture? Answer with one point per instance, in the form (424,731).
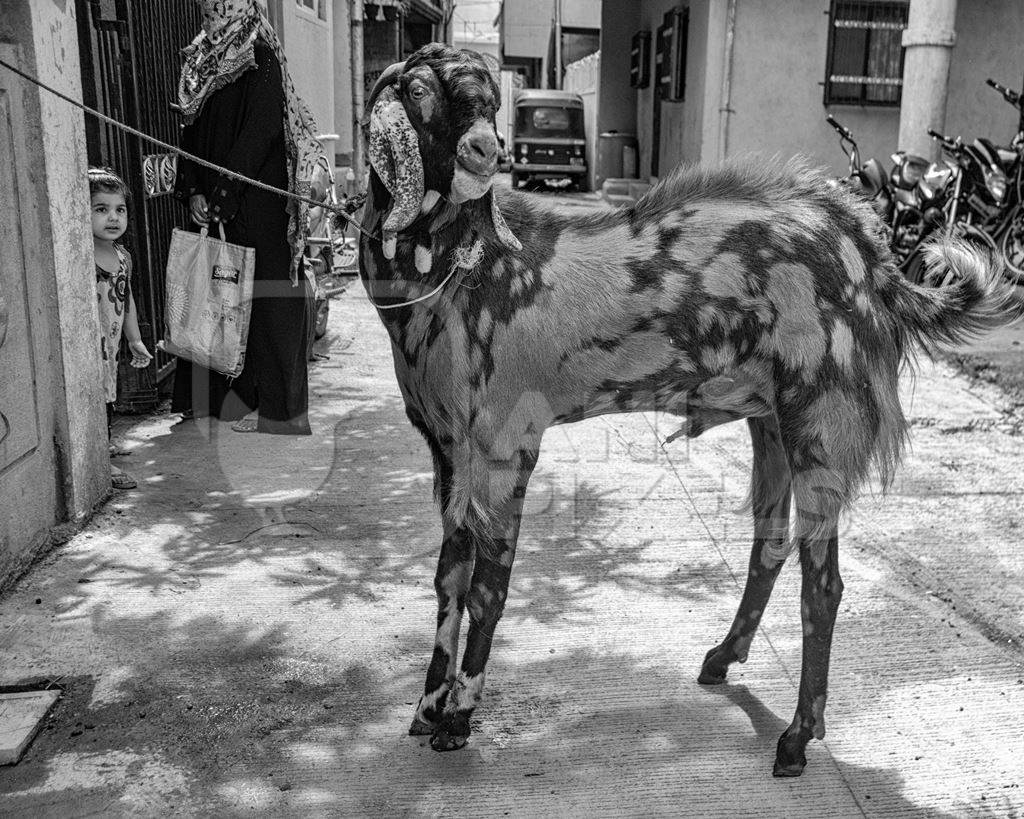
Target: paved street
(247,633)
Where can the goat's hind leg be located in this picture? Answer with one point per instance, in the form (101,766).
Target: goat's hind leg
(770,495)
(820,593)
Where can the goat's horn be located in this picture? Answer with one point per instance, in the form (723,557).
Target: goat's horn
(386,79)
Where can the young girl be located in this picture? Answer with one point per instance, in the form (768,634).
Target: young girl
(117,311)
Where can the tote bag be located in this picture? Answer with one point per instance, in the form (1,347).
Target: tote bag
(208,301)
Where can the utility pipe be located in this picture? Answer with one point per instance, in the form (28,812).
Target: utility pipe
(725,108)
(356,12)
(558,43)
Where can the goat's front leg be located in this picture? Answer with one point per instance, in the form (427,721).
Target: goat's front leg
(821,591)
(770,497)
(451,583)
(486,602)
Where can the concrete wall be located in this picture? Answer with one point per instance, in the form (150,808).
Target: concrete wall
(343,116)
(54,464)
(987,45)
(779,61)
(775,77)
(309,47)
(581,13)
(681,122)
(583,77)
(526,28)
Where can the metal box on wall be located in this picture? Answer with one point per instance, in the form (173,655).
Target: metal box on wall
(640,60)
(670,57)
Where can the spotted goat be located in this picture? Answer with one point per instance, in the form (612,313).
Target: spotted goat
(749,291)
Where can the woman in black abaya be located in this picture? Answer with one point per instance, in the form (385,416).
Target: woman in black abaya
(242,113)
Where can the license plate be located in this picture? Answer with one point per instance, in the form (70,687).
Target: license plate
(575,160)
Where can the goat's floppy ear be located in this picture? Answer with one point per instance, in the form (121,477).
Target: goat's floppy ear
(394,150)
(501,228)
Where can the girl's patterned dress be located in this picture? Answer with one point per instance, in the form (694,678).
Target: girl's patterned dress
(112,297)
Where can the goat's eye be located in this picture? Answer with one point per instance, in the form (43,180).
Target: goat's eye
(417,92)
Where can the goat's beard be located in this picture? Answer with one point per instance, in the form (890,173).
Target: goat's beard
(467,185)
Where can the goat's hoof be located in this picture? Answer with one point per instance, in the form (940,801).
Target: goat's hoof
(419,728)
(451,734)
(790,759)
(714,670)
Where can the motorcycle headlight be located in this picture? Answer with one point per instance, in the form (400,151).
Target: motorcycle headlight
(995,181)
(937,175)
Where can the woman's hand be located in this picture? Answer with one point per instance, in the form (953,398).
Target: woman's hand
(140,355)
(199,209)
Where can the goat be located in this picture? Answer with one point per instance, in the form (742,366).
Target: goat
(749,291)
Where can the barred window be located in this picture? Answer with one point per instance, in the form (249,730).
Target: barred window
(865,54)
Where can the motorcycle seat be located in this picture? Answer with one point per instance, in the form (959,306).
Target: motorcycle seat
(872,176)
(1006,156)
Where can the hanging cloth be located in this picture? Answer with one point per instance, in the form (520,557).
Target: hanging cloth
(219,55)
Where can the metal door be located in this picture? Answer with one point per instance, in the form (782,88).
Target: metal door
(130,56)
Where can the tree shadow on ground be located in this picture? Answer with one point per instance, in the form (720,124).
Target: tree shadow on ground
(368,518)
(219,719)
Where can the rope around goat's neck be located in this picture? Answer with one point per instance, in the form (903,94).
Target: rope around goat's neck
(465,259)
(411,302)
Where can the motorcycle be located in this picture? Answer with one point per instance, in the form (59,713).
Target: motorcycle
(1008,225)
(333,257)
(867,178)
(957,198)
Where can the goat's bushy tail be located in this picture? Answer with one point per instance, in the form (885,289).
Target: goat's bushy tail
(975,298)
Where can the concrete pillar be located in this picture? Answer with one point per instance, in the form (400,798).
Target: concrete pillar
(616,99)
(928,39)
(357,67)
(342,83)
(81,417)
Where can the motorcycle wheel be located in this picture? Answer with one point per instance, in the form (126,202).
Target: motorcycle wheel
(914,267)
(1011,245)
(916,271)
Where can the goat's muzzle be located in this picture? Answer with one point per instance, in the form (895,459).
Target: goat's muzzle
(476,162)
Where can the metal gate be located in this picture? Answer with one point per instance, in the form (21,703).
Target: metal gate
(129,51)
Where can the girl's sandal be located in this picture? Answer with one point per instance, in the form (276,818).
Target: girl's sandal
(245,425)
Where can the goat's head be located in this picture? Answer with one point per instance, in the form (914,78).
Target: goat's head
(430,132)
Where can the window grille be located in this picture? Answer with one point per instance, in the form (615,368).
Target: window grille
(865,53)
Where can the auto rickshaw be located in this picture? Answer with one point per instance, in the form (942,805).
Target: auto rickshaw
(548,142)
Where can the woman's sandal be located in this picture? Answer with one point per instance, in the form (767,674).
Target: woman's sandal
(245,425)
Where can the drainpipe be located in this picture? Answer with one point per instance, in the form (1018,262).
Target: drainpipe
(558,43)
(726,97)
(928,40)
(356,12)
